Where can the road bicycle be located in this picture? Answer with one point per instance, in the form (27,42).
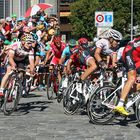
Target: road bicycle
(52,83)
(101,104)
(13,90)
(27,82)
(75,98)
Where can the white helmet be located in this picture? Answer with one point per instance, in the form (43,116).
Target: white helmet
(116,35)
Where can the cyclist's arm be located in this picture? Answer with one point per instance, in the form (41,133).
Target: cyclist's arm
(114,59)
(69,65)
(48,56)
(62,59)
(108,60)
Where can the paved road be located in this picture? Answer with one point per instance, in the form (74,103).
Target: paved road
(40,119)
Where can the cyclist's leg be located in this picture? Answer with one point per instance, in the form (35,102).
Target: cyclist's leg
(130,66)
(4,80)
(91,67)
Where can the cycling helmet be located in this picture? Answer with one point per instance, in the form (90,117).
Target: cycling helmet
(72,43)
(111,33)
(34,35)
(83,42)
(27,38)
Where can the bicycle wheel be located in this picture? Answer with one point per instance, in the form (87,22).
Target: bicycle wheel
(51,87)
(137,111)
(1,101)
(26,88)
(72,100)
(61,90)
(11,99)
(99,113)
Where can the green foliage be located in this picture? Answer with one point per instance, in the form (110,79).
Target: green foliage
(83,13)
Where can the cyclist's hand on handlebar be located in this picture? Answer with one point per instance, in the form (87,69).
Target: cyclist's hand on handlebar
(69,71)
(32,73)
(13,67)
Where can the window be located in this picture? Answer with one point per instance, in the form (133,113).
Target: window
(1,9)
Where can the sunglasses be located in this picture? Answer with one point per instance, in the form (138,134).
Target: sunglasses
(29,43)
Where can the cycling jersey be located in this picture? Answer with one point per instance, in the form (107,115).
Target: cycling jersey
(120,53)
(57,52)
(131,56)
(91,50)
(20,52)
(79,55)
(66,52)
(105,46)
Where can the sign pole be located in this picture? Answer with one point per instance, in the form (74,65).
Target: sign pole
(131,20)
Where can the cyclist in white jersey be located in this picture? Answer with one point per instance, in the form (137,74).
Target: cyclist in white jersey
(18,54)
(107,46)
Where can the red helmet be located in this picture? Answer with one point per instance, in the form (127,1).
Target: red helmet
(83,42)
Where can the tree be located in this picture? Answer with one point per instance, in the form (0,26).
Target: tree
(82,18)
(82,15)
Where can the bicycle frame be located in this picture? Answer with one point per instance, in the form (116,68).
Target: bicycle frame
(123,79)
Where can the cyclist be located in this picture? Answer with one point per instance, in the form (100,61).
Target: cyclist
(64,60)
(56,50)
(131,60)
(19,54)
(82,57)
(66,52)
(108,46)
(83,43)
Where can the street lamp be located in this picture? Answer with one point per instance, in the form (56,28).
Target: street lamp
(131,20)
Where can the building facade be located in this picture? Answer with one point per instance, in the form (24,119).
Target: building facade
(64,10)
(19,7)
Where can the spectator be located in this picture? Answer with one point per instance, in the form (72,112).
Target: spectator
(14,20)
(7,28)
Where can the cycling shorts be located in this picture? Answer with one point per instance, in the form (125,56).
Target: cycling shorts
(55,60)
(131,59)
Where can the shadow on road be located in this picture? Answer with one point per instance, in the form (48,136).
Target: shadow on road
(26,108)
(31,95)
(123,121)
